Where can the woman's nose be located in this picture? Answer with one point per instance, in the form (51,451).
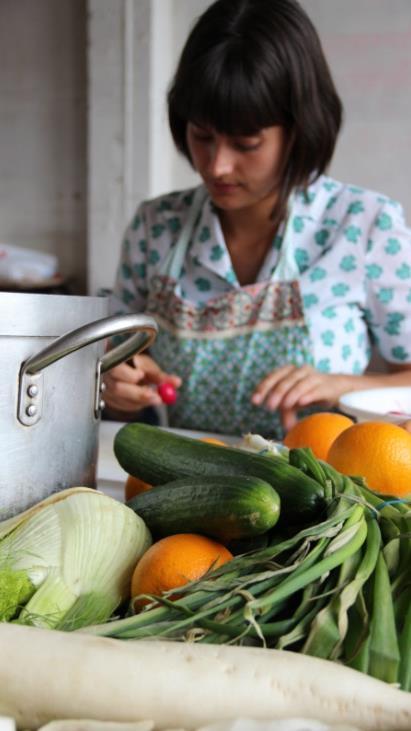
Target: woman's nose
(221,161)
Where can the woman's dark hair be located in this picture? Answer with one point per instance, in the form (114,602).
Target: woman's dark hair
(250,64)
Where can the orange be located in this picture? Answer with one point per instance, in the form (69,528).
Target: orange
(378,451)
(175,560)
(133,486)
(317,431)
(212,440)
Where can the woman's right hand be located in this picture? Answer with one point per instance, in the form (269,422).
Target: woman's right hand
(131,386)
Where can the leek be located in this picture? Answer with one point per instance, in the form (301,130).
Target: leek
(68,561)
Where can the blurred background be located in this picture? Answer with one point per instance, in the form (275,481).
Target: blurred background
(83,129)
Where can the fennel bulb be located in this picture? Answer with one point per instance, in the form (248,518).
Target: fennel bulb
(67,561)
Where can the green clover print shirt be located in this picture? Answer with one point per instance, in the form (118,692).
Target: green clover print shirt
(352,248)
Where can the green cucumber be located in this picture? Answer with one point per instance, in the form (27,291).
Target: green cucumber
(225,507)
(158,456)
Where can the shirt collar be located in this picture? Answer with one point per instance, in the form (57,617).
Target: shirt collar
(208,246)
(210,249)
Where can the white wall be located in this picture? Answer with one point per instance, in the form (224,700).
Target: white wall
(43,129)
(132,49)
(129,59)
(368,46)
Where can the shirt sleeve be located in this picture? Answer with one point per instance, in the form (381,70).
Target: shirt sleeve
(130,288)
(388,284)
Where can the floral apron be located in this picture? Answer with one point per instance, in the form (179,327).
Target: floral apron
(223,349)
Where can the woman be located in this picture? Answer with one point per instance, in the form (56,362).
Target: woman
(270,281)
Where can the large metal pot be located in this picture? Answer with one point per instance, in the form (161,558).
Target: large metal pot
(50,390)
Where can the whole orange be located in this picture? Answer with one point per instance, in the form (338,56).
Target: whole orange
(378,451)
(133,486)
(317,431)
(174,561)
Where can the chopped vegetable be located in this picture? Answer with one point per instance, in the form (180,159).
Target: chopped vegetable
(68,560)
(182,685)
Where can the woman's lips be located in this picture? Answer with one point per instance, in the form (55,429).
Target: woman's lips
(224,188)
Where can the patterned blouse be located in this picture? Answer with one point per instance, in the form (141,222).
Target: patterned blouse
(352,248)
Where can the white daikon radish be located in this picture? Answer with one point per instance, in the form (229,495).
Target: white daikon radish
(47,674)
(241,724)
(289,724)
(93,725)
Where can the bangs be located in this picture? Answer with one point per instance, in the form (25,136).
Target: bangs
(228,97)
(252,64)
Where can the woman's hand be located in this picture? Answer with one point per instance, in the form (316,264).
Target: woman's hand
(130,387)
(290,388)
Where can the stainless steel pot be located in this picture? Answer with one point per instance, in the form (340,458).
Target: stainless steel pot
(50,390)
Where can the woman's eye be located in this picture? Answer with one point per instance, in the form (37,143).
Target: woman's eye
(247,146)
(242,144)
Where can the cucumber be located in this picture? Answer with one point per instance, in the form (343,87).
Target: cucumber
(225,507)
(158,456)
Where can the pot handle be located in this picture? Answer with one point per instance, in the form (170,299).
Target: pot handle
(145,329)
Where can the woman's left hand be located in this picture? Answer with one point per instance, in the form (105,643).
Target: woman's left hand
(290,388)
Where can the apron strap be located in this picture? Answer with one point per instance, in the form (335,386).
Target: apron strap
(287,268)
(173,262)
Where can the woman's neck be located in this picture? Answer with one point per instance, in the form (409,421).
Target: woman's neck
(249,234)
(251,223)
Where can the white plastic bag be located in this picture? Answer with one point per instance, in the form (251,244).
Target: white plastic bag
(19,264)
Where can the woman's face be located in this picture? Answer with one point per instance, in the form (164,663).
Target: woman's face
(238,172)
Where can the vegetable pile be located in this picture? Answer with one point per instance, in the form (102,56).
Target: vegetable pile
(303,560)
(337,586)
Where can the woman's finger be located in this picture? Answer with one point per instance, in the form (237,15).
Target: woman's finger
(294,397)
(289,418)
(128,396)
(152,371)
(269,382)
(326,391)
(284,388)
(124,373)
